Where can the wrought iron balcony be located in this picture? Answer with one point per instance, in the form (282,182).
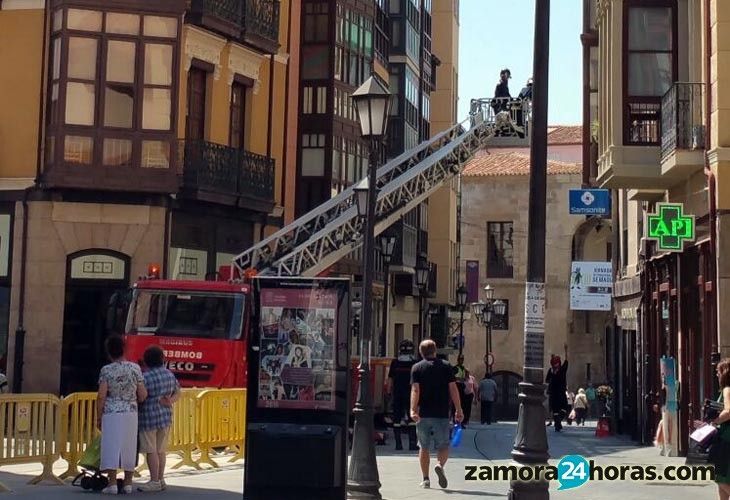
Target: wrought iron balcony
(643,122)
(254,22)
(222,174)
(683,119)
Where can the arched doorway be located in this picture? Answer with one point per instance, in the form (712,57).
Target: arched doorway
(507,406)
(96,288)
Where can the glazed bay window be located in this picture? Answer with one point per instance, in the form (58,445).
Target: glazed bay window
(111,89)
(650,60)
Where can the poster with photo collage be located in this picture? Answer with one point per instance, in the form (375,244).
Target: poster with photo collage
(297,346)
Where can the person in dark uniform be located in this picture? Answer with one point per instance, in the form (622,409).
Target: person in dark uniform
(399,387)
(557,385)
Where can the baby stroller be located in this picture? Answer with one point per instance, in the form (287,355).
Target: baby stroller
(91,477)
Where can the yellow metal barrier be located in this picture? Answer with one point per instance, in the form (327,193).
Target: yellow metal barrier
(222,415)
(78,428)
(184,431)
(29,428)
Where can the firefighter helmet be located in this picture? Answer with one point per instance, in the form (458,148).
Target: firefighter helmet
(406,347)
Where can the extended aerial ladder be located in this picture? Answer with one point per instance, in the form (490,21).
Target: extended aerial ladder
(317,240)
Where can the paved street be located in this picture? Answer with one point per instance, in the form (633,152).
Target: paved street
(400,475)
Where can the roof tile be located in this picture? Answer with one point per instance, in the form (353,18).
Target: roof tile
(494,163)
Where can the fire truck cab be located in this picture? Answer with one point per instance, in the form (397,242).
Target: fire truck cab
(201,325)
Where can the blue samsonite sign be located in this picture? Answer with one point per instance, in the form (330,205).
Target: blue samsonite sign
(590,202)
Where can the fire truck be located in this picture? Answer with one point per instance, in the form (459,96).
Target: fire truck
(203,325)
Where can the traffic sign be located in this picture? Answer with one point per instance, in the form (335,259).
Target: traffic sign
(670,227)
(590,201)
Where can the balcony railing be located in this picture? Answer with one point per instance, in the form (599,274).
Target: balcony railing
(255,22)
(232,175)
(643,123)
(683,118)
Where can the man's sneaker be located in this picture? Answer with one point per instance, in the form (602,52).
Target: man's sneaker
(443,482)
(151,486)
(163,484)
(127,489)
(110,490)
(425,484)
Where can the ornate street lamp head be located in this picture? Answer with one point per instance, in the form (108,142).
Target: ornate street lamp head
(387,245)
(372,102)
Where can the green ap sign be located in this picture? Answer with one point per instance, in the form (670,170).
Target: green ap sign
(670,227)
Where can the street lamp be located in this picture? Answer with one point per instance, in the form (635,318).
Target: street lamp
(387,245)
(422,272)
(372,103)
(461,296)
(486,313)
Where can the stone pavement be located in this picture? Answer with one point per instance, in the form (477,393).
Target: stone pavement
(400,475)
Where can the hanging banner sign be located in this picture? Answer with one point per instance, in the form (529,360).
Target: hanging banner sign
(591,286)
(670,227)
(534,325)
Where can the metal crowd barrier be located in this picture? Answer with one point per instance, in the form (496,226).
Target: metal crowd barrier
(41,428)
(30,429)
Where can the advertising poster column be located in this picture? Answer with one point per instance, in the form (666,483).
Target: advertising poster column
(534,326)
(298,391)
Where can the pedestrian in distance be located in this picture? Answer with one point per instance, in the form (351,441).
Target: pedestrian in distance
(433,389)
(121,389)
(581,405)
(399,388)
(466,403)
(487,397)
(155,416)
(557,387)
(570,396)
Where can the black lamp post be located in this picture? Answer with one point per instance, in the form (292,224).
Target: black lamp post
(486,314)
(372,102)
(387,244)
(461,295)
(422,272)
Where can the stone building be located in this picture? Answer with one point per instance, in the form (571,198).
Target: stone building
(131,133)
(495,195)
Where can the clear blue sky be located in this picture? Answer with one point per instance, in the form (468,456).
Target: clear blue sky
(498,34)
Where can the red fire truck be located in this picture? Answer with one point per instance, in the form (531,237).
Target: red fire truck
(201,325)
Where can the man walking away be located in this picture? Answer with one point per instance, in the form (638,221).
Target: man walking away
(487,397)
(155,416)
(399,387)
(433,387)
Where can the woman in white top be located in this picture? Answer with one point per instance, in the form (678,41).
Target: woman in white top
(581,407)
(121,388)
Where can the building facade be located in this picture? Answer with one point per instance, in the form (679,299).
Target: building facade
(132,133)
(661,137)
(494,251)
(343,42)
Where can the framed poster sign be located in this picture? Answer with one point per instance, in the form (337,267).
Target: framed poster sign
(298,347)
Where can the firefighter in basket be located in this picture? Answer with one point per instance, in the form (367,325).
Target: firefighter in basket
(399,387)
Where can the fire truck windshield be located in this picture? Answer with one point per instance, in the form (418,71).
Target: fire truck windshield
(173,313)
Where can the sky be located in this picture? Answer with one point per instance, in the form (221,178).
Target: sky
(498,34)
